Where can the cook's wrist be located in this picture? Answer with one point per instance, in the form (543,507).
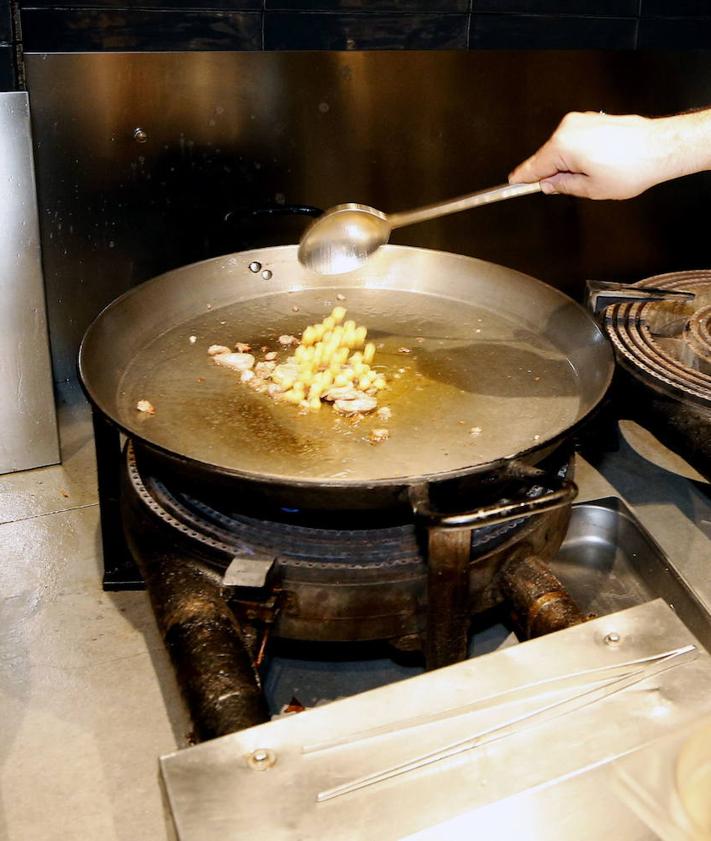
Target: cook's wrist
(685,143)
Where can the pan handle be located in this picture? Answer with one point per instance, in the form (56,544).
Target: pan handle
(558,491)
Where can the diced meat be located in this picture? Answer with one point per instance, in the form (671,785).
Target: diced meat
(384,413)
(235,361)
(378,435)
(271,356)
(345,392)
(146,406)
(274,389)
(287,340)
(286,374)
(243,347)
(359,405)
(215,350)
(264,369)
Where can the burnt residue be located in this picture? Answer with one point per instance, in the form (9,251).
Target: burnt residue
(213,665)
(538,601)
(211,653)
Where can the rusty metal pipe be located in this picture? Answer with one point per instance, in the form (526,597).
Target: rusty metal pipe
(213,666)
(212,661)
(539,601)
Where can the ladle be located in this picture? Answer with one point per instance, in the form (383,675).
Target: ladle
(346,235)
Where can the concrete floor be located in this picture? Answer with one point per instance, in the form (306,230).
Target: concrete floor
(87,692)
(88,696)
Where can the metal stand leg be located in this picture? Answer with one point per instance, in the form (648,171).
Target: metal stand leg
(120,571)
(449,556)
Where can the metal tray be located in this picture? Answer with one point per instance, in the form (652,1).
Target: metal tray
(526,740)
(609,561)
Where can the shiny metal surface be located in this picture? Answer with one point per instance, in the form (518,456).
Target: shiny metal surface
(667,343)
(487,349)
(28,427)
(245,134)
(591,687)
(213,791)
(346,235)
(609,561)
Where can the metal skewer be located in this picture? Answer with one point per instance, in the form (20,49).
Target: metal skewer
(649,667)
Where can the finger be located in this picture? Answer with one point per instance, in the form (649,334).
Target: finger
(543,164)
(567,184)
(522,173)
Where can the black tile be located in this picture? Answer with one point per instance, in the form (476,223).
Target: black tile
(314,31)
(5,21)
(165,5)
(679,34)
(370,5)
(536,32)
(7,68)
(596,8)
(676,8)
(76,30)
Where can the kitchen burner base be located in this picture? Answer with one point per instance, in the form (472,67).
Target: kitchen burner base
(415,587)
(328,585)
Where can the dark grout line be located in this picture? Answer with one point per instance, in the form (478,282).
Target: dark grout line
(50,513)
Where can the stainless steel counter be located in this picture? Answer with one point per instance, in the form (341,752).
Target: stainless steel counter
(541,764)
(547,740)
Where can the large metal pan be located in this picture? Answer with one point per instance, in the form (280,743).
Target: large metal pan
(500,366)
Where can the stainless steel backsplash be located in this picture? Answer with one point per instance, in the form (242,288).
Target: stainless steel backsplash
(230,142)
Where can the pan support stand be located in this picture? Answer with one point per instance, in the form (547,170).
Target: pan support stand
(448,615)
(449,542)
(120,570)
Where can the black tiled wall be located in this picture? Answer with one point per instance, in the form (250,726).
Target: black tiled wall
(8,76)
(81,30)
(5,22)
(360,24)
(541,32)
(375,30)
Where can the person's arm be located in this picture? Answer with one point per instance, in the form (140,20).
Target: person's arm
(600,156)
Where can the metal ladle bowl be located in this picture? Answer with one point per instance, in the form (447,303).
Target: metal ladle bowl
(346,235)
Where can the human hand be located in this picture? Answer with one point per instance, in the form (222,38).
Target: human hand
(599,156)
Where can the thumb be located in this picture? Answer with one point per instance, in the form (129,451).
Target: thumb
(567,184)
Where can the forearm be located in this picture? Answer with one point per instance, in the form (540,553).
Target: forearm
(687,139)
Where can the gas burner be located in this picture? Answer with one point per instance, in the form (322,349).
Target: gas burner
(221,533)
(698,336)
(664,352)
(668,343)
(331,583)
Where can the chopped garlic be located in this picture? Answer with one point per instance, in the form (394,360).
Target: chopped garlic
(146,406)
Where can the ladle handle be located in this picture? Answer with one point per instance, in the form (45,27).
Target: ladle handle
(432,211)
